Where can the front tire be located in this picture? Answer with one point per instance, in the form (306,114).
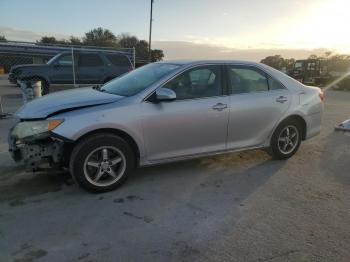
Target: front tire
(286,139)
(45,87)
(101,162)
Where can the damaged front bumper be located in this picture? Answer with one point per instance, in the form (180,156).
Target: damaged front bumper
(344,126)
(34,153)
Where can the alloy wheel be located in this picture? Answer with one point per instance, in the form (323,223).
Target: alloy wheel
(288,139)
(104,166)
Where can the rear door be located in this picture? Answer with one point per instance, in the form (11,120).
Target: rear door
(257,102)
(118,64)
(90,69)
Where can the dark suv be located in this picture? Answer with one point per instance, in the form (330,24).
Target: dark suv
(89,68)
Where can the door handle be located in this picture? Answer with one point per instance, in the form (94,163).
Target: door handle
(281,99)
(219,107)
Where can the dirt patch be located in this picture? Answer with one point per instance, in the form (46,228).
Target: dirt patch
(143,218)
(35,184)
(31,256)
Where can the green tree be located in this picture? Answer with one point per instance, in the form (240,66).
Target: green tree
(275,61)
(141,48)
(313,56)
(2,38)
(127,41)
(48,40)
(328,54)
(100,37)
(105,38)
(278,62)
(157,55)
(75,40)
(51,40)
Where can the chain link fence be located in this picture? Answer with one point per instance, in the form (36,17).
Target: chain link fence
(38,69)
(63,64)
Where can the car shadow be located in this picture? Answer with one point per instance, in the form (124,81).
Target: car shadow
(176,203)
(224,179)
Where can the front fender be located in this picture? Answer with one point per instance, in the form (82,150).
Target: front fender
(30,75)
(83,121)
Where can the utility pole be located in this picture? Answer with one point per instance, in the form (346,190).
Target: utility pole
(150,34)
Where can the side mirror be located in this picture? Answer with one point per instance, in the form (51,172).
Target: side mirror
(165,94)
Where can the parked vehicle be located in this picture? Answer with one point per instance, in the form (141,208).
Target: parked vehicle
(320,71)
(311,71)
(165,112)
(89,68)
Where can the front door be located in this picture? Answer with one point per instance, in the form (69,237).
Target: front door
(61,71)
(195,123)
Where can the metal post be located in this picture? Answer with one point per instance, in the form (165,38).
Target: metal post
(36,85)
(3,115)
(150,34)
(73,67)
(1,109)
(30,90)
(134,57)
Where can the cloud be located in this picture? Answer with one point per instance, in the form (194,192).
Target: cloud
(190,50)
(16,34)
(193,49)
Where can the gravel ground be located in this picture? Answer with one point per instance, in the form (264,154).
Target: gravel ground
(234,207)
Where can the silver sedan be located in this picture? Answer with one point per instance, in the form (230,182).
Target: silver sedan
(164,112)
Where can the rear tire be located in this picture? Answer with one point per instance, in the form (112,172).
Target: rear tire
(286,139)
(101,162)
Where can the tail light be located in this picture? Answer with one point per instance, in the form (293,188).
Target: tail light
(321,95)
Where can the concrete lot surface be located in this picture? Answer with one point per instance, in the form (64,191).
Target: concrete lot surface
(234,207)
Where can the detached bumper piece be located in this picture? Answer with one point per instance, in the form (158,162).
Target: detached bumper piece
(345,126)
(34,154)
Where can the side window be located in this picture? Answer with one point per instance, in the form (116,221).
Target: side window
(89,60)
(274,84)
(118,60)
(244,79)
(65,60)
(197,82)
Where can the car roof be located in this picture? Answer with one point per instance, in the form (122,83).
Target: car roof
(109,52)
(201,62)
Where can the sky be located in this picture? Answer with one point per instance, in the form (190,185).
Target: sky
(226,24)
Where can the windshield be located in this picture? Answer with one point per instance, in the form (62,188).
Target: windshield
(139,79)
(52,59)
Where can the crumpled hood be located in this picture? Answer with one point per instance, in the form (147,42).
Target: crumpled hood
(53,103)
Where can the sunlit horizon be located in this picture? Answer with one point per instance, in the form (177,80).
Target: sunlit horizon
(285,25)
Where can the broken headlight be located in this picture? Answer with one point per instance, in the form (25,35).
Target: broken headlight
(39,128)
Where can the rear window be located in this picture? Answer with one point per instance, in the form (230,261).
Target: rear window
(90,60)
(118,60)
(274,84)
